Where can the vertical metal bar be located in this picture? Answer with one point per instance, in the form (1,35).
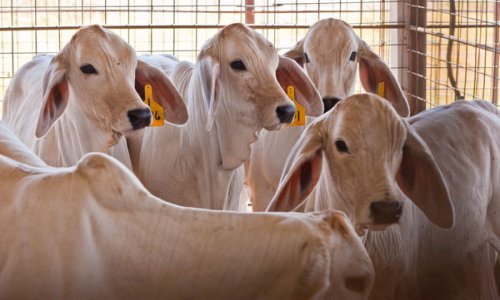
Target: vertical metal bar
(467,31)
(12,37)
(459,48)
(417,50)
(196,30)
(485,65)
(274,20)
(36,24)
(382,31)
(151,29)
(396,38)
(496,55)
(296,19)
(249,12)
(361,17)
(218,12)
(319,9)
(128,20)
(59,23)
(476,55)
(174,20)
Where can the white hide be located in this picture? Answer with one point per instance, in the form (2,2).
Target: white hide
(62,112)
(334,51)
(94,232)
(195,165)
(442,158)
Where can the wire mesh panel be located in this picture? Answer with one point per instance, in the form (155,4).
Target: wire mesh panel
(440,50)
(28,27)
(457,41)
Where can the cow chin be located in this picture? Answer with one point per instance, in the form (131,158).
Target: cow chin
(368,223)
(273,127)
(378,227)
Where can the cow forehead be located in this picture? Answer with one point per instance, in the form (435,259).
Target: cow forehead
(369,118)
(95,43)
(330,36)
(241,41)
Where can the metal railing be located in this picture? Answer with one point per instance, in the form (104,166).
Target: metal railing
(413,36)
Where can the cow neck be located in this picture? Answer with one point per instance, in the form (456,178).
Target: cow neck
(71,137)
(199,151)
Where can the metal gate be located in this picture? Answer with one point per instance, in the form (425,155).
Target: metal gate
(439,50)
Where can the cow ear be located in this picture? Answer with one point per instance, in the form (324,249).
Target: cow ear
(210,69)
(164,92)
(290,73)
(297,53)
(420,178)
(377,78)
(302,170)
(55,95)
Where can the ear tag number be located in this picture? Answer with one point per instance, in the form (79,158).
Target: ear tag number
(381,89)
(300,112)
(157,110)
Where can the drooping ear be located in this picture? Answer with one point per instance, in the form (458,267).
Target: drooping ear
(210,70)
(420,178)
(297,53)
(164,92)
(55,95)
(290,73)
(377,78)
(302,170)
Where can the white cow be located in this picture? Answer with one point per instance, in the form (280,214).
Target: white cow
(84,98)
(94,232)
(378,163)
(330,53)
(232,92)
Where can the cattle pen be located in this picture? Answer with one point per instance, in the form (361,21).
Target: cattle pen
(250,149)
(439,50)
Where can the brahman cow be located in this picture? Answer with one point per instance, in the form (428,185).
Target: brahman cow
(233,91)
(380,167)
(330,53)
(84,98)
(92,231)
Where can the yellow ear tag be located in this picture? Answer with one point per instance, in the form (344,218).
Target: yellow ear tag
(300,112)
(156,109)
(381,89)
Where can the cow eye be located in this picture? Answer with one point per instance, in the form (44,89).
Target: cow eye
(306,58)
(88,69)
(341,146)
(353,56)
(238,65)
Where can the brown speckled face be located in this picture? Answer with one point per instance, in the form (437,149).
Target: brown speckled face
(248,64)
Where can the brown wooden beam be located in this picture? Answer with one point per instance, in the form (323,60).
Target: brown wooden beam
(417,49)
(496,58)
(249,12)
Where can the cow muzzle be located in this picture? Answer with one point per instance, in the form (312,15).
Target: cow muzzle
(139,118)
(386,212)
(285,113)
(329,102)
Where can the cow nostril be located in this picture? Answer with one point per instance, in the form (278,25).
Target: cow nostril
(356,283)
(386,212)
(329,102)
(285,113)
(139,118)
